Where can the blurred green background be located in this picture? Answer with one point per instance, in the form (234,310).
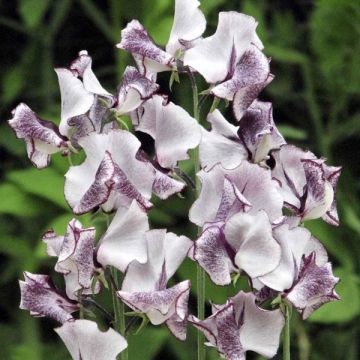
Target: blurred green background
(315,51)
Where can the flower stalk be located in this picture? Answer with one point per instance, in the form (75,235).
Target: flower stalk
(286,336)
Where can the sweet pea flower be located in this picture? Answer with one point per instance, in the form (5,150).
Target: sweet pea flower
(79,88)
(229,145)
(85,341)
(236,208)
(189,24)
(42,137)
(41,298)
(307,184)
(75,253)
(240,325)
(172,128)
(111,176)
(144,286)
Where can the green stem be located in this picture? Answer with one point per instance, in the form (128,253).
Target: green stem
(286,336)
(200,276)
(119,310)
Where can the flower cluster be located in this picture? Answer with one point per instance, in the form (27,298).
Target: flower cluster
(256,193)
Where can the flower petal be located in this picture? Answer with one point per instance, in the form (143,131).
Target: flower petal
(314,287)
(136,40)
(257,252)
(124,240)
(214,255)
(41,298)
(85,341)
(134,90)
(221,144)
(189,24)
(258,132)
(214,57)
(260,330)
(75,99)
(173,129)
(42,137)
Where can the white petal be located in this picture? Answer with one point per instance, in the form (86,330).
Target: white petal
(214,56)
(85,341)
(189,24)
(124,240)
(75,99)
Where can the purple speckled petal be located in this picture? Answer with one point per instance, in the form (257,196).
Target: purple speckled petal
(134,90)
(173,129)
(42,137)
(332,174)
(136,40)
(41,298)
(319,192)
(165,186)
(85,341)
(216,56)
(260,329)
(159,305)
(214,255)
(112,167)
(189,24)
(124,240)
(252,181)
(251,75)
(75,252)
(257,252)
(314,287)
(258,132)
(221,144)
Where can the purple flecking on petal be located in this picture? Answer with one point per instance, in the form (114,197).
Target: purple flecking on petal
(257,252)
(332,174)
(319,192)
(314,287)
(260,329)
(85,341)
(159,305)
(214,57)
(189,24)
(214,255)
(41,298)
(75,252)
(124,240)
(136,40)
(173,129)
(42,137)
(165,186)
(258,132)
(134,90)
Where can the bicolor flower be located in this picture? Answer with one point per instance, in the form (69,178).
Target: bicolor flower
(42,137)
(85,341)
(124,240)
(75,253)
(41,298)
(144,287)
(229,145)
(79,87)
(172,128)
(111,176)
(240,326)
(314,286)
(189,24)
(307,184)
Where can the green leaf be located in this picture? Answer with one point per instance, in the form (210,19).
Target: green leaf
(45,183)
(291,132)
(345,309)
(32,11)
(13,83)
(15,202)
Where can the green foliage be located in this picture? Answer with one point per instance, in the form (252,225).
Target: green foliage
(315,55)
